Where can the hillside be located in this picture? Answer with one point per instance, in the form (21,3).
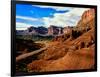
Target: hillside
(71,51)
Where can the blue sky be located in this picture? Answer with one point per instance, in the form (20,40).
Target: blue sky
(36,15)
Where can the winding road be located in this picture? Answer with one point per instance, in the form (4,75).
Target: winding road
(23,56)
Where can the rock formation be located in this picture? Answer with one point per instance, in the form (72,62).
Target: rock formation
(54,30)
(74,50)
(87,19)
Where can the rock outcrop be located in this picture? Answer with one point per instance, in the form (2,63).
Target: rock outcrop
(87,19)
(54,30)
(72,51)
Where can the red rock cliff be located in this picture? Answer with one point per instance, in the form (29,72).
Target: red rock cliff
(88,18)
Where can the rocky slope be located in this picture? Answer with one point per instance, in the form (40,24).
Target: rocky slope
(72,51)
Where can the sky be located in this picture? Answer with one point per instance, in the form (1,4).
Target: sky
(40,15)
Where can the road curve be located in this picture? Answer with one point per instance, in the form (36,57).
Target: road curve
(23,56)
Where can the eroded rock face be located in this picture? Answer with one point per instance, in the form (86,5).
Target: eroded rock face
(54,30)
(68,53)
(87,19)
(88,15)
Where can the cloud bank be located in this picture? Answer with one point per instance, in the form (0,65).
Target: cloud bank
(68,18)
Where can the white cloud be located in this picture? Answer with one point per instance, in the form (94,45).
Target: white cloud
(57,8)
(26,18)
(25,25)
(22,26)
(65,19)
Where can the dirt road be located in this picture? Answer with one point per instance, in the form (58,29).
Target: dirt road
(23,56)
